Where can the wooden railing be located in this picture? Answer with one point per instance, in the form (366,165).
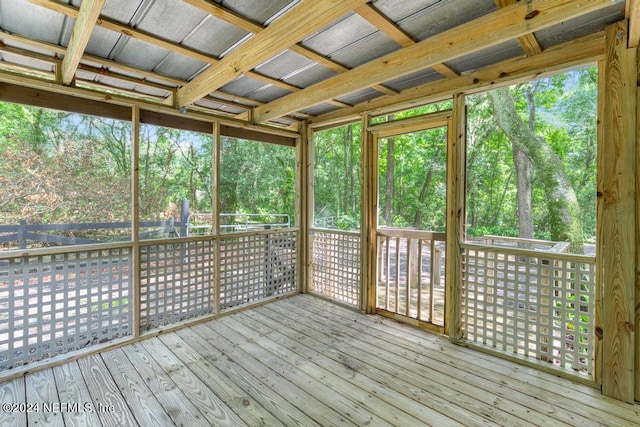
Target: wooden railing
(532,304)
(336,271)
(410,274)
(534,244)
(75,298)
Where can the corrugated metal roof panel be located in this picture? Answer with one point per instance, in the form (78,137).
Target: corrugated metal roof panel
(365,50)
(179,66)
(102,42)
(268,93)
(242,86)
(285,64)
(486,57)
(28,19)
(214,36)
(580,27)
(414,79)
(130,54)
(311,76)
(340,35)
(320,109)
(259,11)
(438,16)
(120,10)
(359,96)
(171,20)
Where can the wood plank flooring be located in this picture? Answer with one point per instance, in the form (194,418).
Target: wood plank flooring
(302,361)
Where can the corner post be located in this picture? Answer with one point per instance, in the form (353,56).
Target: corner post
(617,232)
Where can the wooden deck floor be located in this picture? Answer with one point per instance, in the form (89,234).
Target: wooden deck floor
(302,361)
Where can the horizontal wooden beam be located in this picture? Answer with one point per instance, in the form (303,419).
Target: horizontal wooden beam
(45,99)
(304,18)
(138,34)
(51,95)
(489,30)
(586,49)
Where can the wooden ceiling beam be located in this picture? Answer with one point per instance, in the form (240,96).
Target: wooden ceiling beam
(528,42)
(304,18)
(224,14)
(220,12)
(489,30)
(233,18)
(384,24)
(151,39)
(85,22)
(576,52)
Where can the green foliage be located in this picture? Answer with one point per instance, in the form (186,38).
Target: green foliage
(257,177)
(563,109)
(337,177)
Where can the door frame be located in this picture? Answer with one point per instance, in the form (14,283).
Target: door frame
(372,133)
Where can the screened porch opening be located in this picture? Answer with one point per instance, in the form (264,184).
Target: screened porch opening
(337,212)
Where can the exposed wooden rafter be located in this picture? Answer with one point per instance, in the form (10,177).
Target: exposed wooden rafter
(489,30)
(154,40)
(528,42)
(233,18)
(384,24)
(306,17)
(80,35)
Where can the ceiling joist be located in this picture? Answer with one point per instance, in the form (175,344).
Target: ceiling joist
(528,42)
(154,40)
(306,17)
(489,30)
(80,35)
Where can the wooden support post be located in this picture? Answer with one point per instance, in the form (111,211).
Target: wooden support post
(304,207)
(135,223)
(369,217)
(455,218)
(637,203)
(617,232)
(215,214)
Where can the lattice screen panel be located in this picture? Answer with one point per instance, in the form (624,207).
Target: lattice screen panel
(176,282)
(537,306)
(257,266)
(336,265)
(54,304)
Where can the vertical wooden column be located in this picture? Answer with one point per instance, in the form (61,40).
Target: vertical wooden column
(455,216)
(135,222)
(215,214)
(368,218)
(637,203)
(304,207)
(617,232)
(597,373)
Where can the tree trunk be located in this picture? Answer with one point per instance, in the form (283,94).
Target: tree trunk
(562,203)
(524,172)
(417,219)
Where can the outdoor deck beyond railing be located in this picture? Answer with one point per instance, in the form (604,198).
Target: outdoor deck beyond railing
(57,300)
(410,278)
(536,304)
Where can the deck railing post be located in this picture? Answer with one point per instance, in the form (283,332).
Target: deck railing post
(22,234)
